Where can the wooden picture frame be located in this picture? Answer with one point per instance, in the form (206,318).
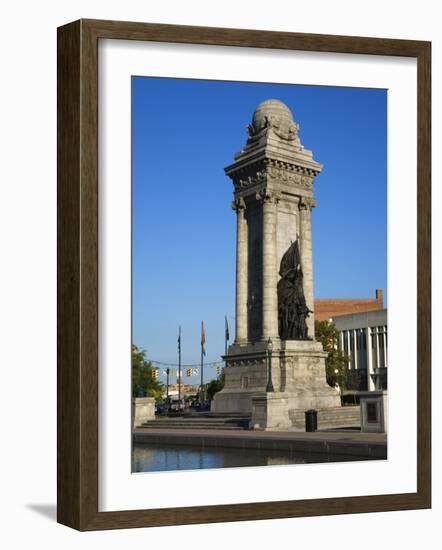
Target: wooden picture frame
(77,460)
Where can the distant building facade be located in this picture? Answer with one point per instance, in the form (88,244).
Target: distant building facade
(327,309)
(363,337)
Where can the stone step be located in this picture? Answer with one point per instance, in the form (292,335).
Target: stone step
(155,426)
(339,417)
(202,420)
(199,421)
(342,412)
(195,426)
(329,417)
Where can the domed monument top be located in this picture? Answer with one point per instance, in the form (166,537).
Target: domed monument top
(273,114)
(273,138)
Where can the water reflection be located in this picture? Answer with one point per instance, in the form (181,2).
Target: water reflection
(157,458)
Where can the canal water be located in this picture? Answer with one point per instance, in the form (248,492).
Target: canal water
(159,458)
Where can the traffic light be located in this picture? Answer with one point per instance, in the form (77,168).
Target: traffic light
(218,370)
(188,372)
(154,374)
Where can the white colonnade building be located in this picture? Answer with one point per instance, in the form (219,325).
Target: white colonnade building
(363,337)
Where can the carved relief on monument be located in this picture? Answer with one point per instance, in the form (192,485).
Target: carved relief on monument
(267,195)
(273,172)
(238,204)
(288,131)
(273,115)
(252,362)
(292,307)
(306,203)
(289,177)
(250,181)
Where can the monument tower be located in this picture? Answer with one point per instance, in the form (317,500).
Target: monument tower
(275,366)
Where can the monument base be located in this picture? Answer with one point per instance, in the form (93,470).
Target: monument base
(298,372)
(270,412)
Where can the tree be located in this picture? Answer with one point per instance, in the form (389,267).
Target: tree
(143,380)
(214,386)
(336,362)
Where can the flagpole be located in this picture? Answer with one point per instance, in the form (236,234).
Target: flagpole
(203,343)
(202,371)
(179,368)
(226,334)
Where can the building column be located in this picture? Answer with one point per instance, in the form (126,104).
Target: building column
(348,348)
(269,271)
(305,228)
(385,345)
(241,271)
(378,337)
(355,347)
(370,383)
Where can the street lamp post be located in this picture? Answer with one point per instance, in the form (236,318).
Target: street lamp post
(269,387)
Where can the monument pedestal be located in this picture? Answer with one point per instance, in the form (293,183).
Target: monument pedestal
(298,375)
(246,375)
(270,412)
(303,376)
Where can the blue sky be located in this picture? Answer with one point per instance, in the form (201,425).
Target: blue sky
(184,132)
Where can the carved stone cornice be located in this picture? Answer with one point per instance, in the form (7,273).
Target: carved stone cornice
(271,170)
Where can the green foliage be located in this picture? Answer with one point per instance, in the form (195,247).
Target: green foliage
(215,386)
(142,376)
(336,362)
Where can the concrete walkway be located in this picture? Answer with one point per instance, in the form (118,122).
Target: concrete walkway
(347,443)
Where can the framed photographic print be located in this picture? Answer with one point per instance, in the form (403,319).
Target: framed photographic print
(243,275)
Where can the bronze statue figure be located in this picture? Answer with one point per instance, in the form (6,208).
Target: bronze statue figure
(292,307)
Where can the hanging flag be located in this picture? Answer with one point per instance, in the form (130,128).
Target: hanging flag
(203,339)
(179,339)
(227,329)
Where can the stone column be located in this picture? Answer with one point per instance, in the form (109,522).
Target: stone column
(305,228)
(241,271)
(370,383)
(269,271)
(378,347)
(355,346)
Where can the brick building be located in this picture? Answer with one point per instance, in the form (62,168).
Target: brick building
(326,309)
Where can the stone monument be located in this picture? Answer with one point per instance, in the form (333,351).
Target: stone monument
(275,369)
